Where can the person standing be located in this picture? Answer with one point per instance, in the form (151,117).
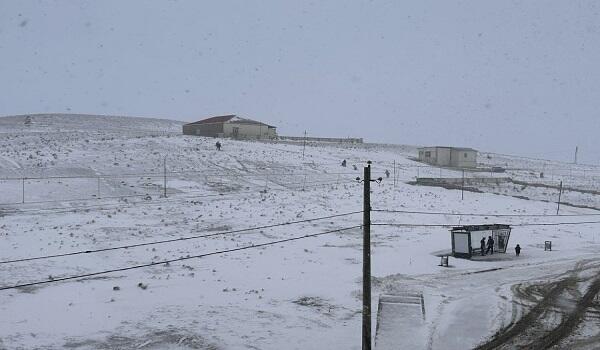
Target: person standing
(387,173)
(490,245)
(218,145)
(482,242)
(518,250)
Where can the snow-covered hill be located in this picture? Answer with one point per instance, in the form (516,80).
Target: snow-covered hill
(86,123)
(94,183)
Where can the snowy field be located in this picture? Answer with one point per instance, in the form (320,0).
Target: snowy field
(72,185)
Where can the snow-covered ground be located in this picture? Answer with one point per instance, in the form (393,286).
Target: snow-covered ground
(95,183)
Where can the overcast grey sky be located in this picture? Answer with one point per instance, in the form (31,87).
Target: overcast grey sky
(519,77)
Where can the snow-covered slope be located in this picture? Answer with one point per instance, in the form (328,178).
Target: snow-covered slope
(102,187)
(53,122)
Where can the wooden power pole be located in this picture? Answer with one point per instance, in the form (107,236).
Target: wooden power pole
(559,195)
(304,144)
(366,311)
(165,177)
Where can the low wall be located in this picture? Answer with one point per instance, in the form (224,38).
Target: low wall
(458,181)
(322,139)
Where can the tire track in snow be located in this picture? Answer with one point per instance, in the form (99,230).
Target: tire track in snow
(552,307)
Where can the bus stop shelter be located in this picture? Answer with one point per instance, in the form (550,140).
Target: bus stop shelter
(466,239)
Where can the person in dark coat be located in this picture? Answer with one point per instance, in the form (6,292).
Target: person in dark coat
(518,250)
(482,242)
(218,145)
(387,173)
(490,245)
(344,163)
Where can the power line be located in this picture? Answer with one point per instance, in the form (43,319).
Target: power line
(513,224)
(176,260)
(479,214)
(176,239)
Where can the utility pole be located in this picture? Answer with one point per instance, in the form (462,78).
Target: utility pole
(462,189)
(394,173)
(165,177)
(304,144)
(559,195)
(576,150)
(366,309)
(366,312)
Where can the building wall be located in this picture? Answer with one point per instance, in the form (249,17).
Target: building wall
(245,131)
(272,133)
(435,155)
(464,159)
(249,131)
(209,130)
(446,156)
(428,155)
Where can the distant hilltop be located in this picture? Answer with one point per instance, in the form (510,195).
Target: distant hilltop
(65,122)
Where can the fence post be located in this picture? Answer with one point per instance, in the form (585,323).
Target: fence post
(462,190)
(266,183)
(165,177)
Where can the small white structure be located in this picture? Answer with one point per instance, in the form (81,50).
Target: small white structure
(456,157)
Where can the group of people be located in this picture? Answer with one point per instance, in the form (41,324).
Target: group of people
(490,246)
(344,163)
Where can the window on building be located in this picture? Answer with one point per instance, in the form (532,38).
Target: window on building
(465,155)
(428,154)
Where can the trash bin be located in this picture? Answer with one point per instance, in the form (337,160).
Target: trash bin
(444,261)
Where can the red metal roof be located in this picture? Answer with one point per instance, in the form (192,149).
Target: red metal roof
(217,119)
(226,118)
